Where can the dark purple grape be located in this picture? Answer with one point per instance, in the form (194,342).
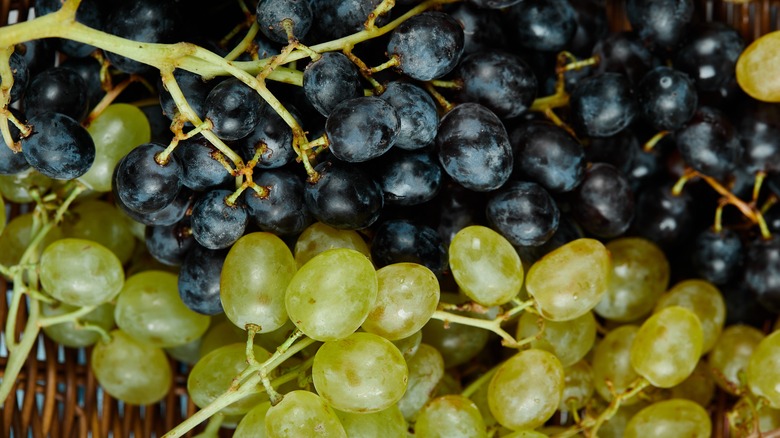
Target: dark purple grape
(92,13)
(169,244)
(274,135)
(662,217)
(339,18)
(623,53)
(283,211)
(362,129)
(233,108)
(21,75)
(524,213)
(167,216)
(603,105)
(604,203)
(762,272)
(58,147)
(501,81)
(409,178)
(143,185)
(271,14)
(592,26)
(330,80)
(58,90)
(474,148)
(548,155)
(481,27)
(717,255)
(12,162)
(344,196)
(39,55)
(199,280)
(667,98)
(400,241)
(194,88)
(660,23)
(759,132)
(215,224)
(199,168)
(89,70)
(417,112)
(544,25)
(709,55)
(428,45)
(709,143)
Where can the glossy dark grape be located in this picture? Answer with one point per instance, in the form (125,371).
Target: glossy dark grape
(548,155)
(194,88)
(143,185)
(624,53)
(409,177)
(58,90)
(330,80)
(417,113)
(474,148)
(709,143)
(344,196)
(58,147)
(21,75)
(667,98)
(199,280)
(603,105)
(499,80)
(397,241)
(38,54)
(604,203)
(619,150)
(271,13)
(458,208)
(709,55)
(481,27)
(759,132)
(199,168)
(274,135)
(169,244)
(717,255)
(167,216)
(89,70)
(338,18)
(660,23)
(544,25)
(215,224)
(12,162)
(362,129)
(592,26)
(92,13)
(524,213)
(662,217)
(233,108)
(283,211)
(428,45)
(762,272)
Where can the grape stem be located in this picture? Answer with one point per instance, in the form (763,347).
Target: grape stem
(67,317)
(493,325)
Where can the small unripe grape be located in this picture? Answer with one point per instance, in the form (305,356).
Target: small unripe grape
(319,237)
(426,369)
(569,340)
(389,422)
(703,299)
(763,371)
(612,362)
(731,354)
(303,414)
(676,417)
(450,416)
(253,423)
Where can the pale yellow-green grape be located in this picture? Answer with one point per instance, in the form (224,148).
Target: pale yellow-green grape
(703,299)
(219,335)
(131,371)
(426,369)
(386,423)
(80,272)
(149,309)
(578,386)
(254,279)
(318,238)
(457,343)
(615,426)
(670,418)
(667,346)
(214,373)
(450,416)
(17,187)
(569,340)
(2,215)
(17,235)
(330,296)
(525,433)
(699,387)
(758,67)
(612,362)
(253,423)
(303,414)
(730,356)
(103,223)
(569,281)
(188,353)
(116,131)
(409,345)
(763,370)
(485,266)
(71,335)
(526,390)
(640,274)
(363,372)
(406,298)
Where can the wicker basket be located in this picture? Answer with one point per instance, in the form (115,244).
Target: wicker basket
(57,394)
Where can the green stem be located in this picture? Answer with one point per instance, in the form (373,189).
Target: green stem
(475,385)
(67,317)
(493,325)
(17,357)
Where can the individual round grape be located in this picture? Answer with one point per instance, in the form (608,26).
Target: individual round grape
(603,105)
(699,387)
(548,155)
(149,309)
(360,373)
(252,425)
(401,240)
(339,19)
(709,143)
(12,162)
(58,146)
(214,373)
(731,354)
(303,413)
(660,23)
(72,335)
(169,245)
(283,212)
(763,372)
(541,25)
(569,341)
(199,278)
(761,272)
(271,140)
(57,90)
(215,223)
(426,369)
(409,178)
(171,214)
(663,217)
(331,295)
(131,371)
(254,279)
(389,422)
(604,203)
(524,213)
(569,281)
(667,346)
(330,80)
(233,108)
(318,237)
(450,416)
(709,55)
(501,81)
(147,21)
(676,417)
(417,113)
(193,87)
(717,255)
(103,223)
(344,196)
(529,375)
(80,272)
(272,13)
(624,53)
(362,128)
(667,98)
(21,75)
(144,186)
(406,298)
(18,235)
(612,363)
(200,169)
(485,266)
(755,76)
(704,300)
(579,386)
(428,45)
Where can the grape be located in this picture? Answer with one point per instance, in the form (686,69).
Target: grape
(417,113)
(428,45)
(604,203)
(199,279)
(389,422)
(763,370)
(58,146)
(71,335)
(569,281)
(331,295)
(18,234)
(148,21)
(20,187)
(709,55)
(704,300)
(253,423)
(254,279)
(21,75)
(667,98)
(709,143)
(661,23)
(339,19)
(450,416)
(755,76)
(541,24)
(397,241)
(409,345)
(426,368)
(409,178)
(603,105)
(699,387)
(199,168)
(215,223)
(717,255)
(578,386)
(731,354)
(80,272)
(273,136)
(524,213)
(624,53)
(548,155)
(569,340)
(195,90)
(57,90)
(220,334)
(319,237)
(271,14)
(501,81)
(362,128)
(302,413)
(233,108)
(131,371)
(144,186)
(330,80)
(101,222)
(676,417)
(344,196)
(169,245)
(611,363)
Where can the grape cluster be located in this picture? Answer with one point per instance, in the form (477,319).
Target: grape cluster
(369,218)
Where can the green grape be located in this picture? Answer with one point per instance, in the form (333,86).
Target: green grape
(450,416)
(253,423)
(406,298)
(213,374)
(569,340)
(386,423)
(18,235)
(116,131)
(704,300)
(363,372)
(219,335)
(71,335)
(615,427)
(480,399)
(17,187)
(426,369)
(640,274)
(485,266)
(149,309)
(578,386)
(408,345)
(457,343)
(303,414)
(768,419)
(763,370)
(526,390)
(254,279)
(699,387)
(131,371)
(612,363)
(2,215)
(730,356)
(330,296)
(667,346)
(318,238)
(188,353)
(80,272)
(526,433)
(103,223)
(676,417)
(569,281)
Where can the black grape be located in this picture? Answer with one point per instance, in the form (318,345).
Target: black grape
(603,105)
(667,98)
(272,133)
(199,169)
(330,80)
(481,27)
(399,241)
(194,88)
(548,155)
(143,185)
(592,26)
(58,147)
(344,196)
(169,244)
(92,13)
(660,23)
(717,255)
(271,13)
(762,272)
(604,203)
(339,18)
(524,213)
(362,129)
(58,90)
(501,81)
(283,211)
(663,217)
(709,143)
(759,132)
(12,162)
(199,280)
(89,70)
(428,45)
(623,53)
(21,75)
(544,25)
(709,55)
(167,216)
(409,177)
(215,224)
(417,113)
(38,54)
(234,108)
